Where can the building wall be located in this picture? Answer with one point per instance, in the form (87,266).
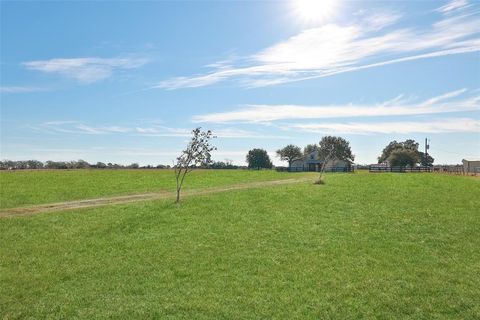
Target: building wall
(471,166)
(305,165)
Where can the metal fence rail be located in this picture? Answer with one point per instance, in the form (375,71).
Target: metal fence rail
(399,169)
(328,169)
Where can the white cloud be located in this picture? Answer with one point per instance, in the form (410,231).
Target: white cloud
(86,70)
(453,5)
(332,49)
(19,89)
(379,20)
(76,127)
(395,107)
(398,127)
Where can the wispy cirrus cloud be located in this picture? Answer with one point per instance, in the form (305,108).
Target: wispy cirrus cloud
(77,127)
(85,70)
(453,6)
(20,89)
(333,49)
(392,127)
(398,106)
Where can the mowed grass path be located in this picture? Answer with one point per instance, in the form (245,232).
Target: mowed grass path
(388,246)
(20,188)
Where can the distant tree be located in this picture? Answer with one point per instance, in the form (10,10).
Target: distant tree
(426,161)
(290,153)
(258,159)
(133,166)
(223,165)
(55,165)
(34,164)
(101,165)
(394,145)
(333,149)
(82,164)
(21,164)
(196,154)
(403,157)
(310,148)
(407,145)
(7,165)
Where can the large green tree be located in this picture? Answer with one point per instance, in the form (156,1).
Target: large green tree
(290,153)
(394,145)
(403,157)
(333,148)
(407,145)
(258,159)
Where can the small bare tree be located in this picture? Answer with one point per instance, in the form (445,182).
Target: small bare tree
(196,154)
(332,149)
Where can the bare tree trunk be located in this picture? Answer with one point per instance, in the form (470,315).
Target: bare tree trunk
(322,170)
(324,164)
(178,172)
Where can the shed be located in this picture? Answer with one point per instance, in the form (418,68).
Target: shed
(471,165)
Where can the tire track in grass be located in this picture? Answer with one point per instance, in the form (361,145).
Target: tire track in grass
(105,201)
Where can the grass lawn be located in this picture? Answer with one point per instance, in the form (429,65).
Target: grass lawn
(19,188)
(388,246)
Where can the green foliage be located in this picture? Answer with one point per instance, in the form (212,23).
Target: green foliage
(196,154)
(403,158)
(309,148)
(290,153)
(410,146)
(394,145)
(335,148)
(101,165)
(258,159)
(425,161)
(361,247)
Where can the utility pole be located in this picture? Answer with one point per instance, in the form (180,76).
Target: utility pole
(426,150)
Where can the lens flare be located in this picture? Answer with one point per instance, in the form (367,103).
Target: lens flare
(315,11)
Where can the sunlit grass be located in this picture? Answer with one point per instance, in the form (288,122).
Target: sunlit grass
(18,188)
(361,246)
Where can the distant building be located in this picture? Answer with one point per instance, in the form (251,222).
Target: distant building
(311,162)
(471,166)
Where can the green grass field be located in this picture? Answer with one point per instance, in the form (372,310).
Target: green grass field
(19,188)
(388,246)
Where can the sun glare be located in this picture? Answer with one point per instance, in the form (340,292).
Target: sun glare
(312,11)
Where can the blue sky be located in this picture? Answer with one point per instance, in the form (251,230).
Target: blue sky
(126,81)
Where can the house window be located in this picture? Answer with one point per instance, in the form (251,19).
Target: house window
(311,156)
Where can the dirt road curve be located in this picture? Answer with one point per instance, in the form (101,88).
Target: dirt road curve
(98,202)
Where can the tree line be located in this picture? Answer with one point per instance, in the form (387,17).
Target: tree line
(82,164)
(329,148)
(403,154)
(79,164)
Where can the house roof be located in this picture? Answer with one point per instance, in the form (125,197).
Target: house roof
(312,157)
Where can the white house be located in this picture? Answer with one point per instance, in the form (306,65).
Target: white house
(311,162)
(471,166)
